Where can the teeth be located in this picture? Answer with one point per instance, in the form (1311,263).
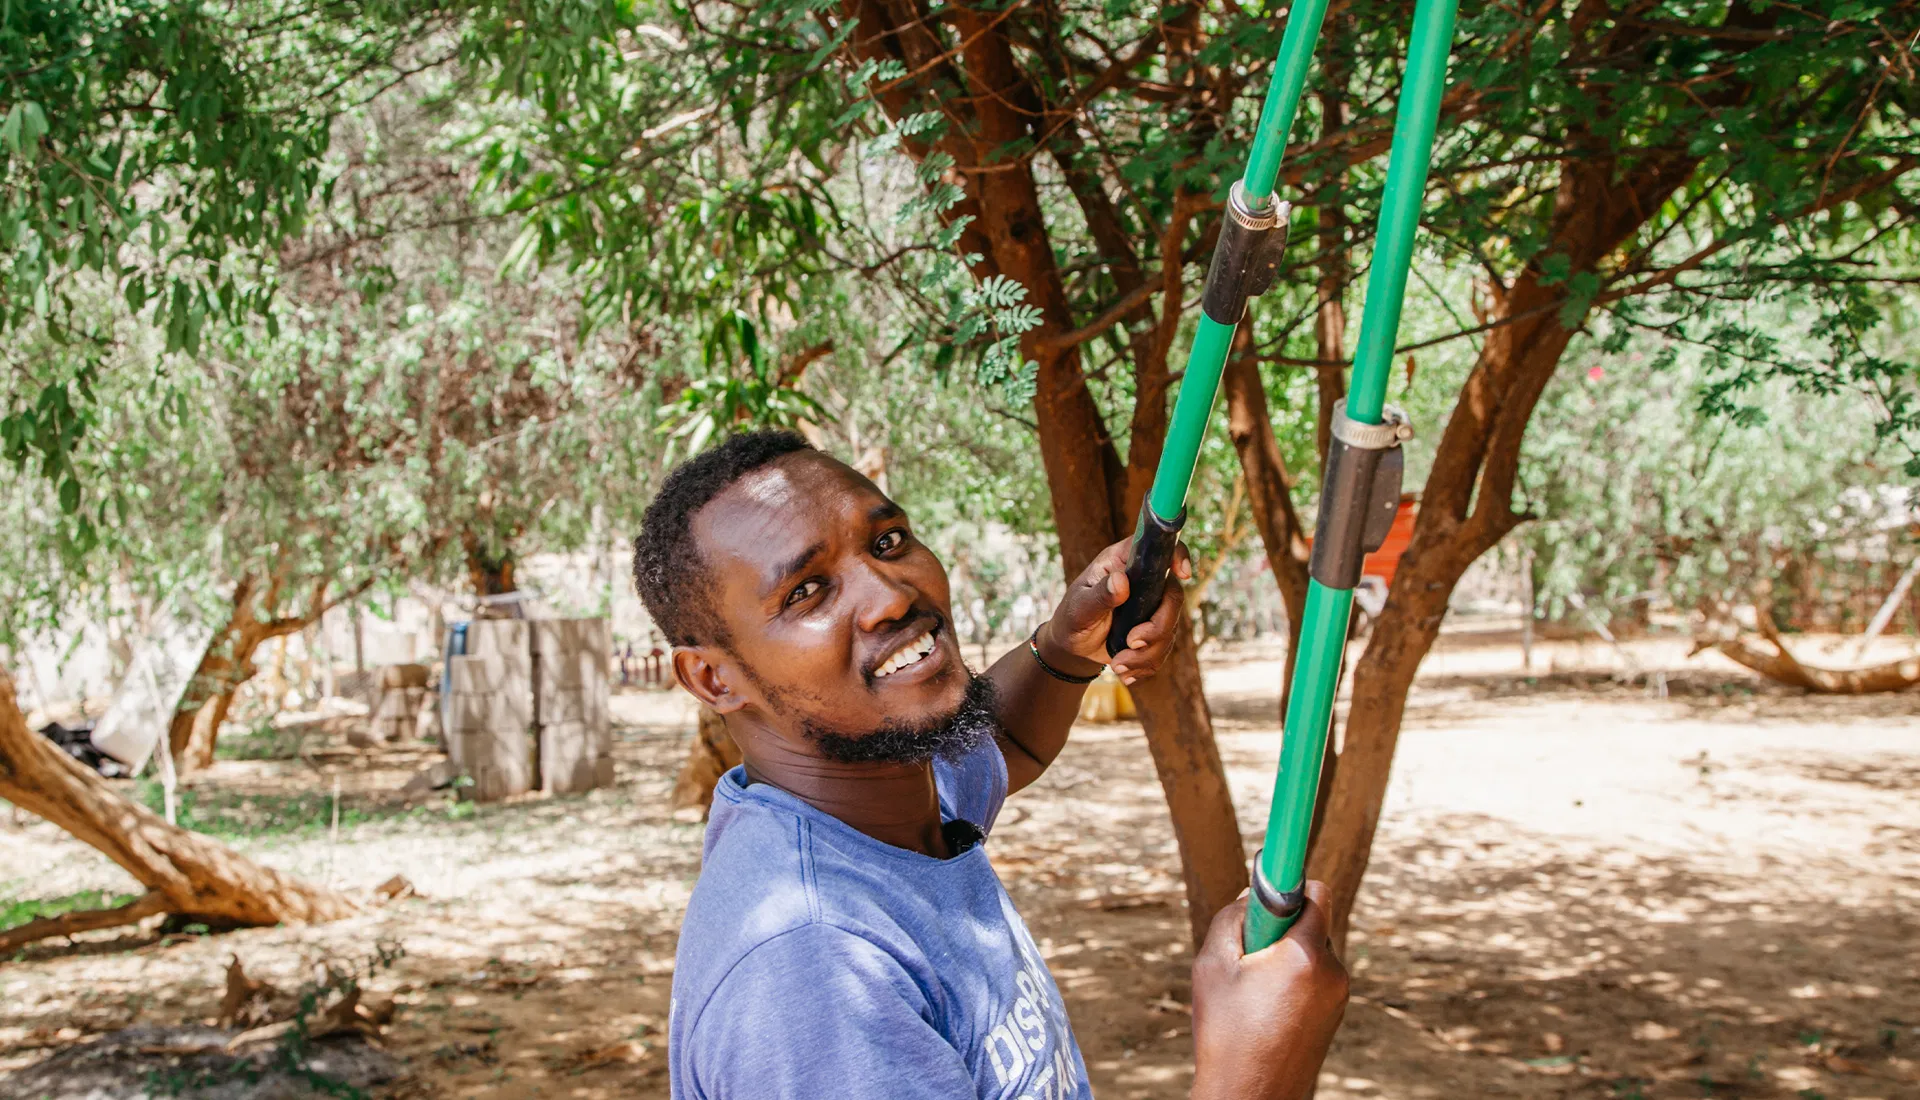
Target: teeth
(909,654)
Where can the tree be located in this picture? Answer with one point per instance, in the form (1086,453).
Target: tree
(185,873)
(1615,172)
(1667,505)
(155,149)
(290,463)
(775,126)
(1603,171)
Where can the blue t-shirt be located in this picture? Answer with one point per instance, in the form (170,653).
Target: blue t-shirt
(817,963)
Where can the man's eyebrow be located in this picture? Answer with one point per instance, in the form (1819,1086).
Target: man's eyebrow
(885,511)
(793,565)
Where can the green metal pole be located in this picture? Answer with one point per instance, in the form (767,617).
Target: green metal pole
(1165,508)
(1283,97)
(1200,384)
(1316,671)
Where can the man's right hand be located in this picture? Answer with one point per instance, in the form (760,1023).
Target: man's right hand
(1262,1023)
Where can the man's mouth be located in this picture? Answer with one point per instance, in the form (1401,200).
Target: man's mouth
(911,654)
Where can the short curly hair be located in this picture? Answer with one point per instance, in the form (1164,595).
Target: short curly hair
(668,571)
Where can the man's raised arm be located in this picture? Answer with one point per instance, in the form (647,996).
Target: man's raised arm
(1040,681)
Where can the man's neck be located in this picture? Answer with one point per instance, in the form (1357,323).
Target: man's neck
(895,804)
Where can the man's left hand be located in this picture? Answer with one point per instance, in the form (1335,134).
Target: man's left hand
(1075,639)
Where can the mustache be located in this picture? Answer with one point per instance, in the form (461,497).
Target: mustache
(926,619)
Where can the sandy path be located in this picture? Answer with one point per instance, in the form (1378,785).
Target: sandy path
(1579,890)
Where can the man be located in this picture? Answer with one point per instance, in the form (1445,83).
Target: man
(848,937)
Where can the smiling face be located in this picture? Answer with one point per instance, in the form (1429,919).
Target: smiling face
(837,619)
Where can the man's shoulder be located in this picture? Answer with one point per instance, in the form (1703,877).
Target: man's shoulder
(753,881)
(764,877)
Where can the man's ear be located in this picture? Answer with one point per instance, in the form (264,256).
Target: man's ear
(704,679)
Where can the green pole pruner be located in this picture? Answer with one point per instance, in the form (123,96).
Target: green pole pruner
(1359,488)
(1360,484)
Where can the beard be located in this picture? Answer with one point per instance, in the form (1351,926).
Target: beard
(946,737)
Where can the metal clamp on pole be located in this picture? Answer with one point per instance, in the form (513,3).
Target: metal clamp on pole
(1359,493)
(1247,257)
(1282,905)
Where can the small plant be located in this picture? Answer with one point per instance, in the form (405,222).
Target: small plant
(263,741)
(235,815)
(333,986)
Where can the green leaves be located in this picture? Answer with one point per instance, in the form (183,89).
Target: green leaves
(161,150)
(25,125)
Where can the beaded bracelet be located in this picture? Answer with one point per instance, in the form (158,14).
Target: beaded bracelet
(1033,647)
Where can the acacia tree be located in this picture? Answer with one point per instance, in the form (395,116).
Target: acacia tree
(1623,171)
(414,414)
(160,151)
(1604,169)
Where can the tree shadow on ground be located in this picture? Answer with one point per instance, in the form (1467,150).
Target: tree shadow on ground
(1546,978)
(1605,977)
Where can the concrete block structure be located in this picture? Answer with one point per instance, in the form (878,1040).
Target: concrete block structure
(524,706)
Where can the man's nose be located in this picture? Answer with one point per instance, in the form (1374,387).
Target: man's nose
(883,599)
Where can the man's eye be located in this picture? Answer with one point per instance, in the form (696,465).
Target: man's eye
(802,591)
(889,542)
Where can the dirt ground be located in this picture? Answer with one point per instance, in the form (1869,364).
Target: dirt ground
(1670,881)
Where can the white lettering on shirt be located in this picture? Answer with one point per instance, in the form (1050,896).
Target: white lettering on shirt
(1032,1035)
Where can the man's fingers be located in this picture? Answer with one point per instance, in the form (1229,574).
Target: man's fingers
(1182,562)
(1114,558)
(1117,586)
(1147,644)
(1224,934)
(1100,587)
(1161,623)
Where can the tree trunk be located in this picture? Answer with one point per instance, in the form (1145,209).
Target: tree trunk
(193,875)
(490,574)
(1336,266)
(213,679)
(1173,707)
(227,664)
(1351,796)
(1269,490)
(1467,503)
(1093,494)
(1779,664)
(85,920)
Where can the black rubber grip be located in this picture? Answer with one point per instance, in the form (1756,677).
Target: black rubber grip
(1345,486)
(1154,542)
(1225,295)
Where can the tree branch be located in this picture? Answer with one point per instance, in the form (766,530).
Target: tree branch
(150,904)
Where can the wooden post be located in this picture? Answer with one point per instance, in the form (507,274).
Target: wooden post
(1526,621)
(360,655)
(1885,615)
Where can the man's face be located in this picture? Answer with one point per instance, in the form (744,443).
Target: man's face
(838,618)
